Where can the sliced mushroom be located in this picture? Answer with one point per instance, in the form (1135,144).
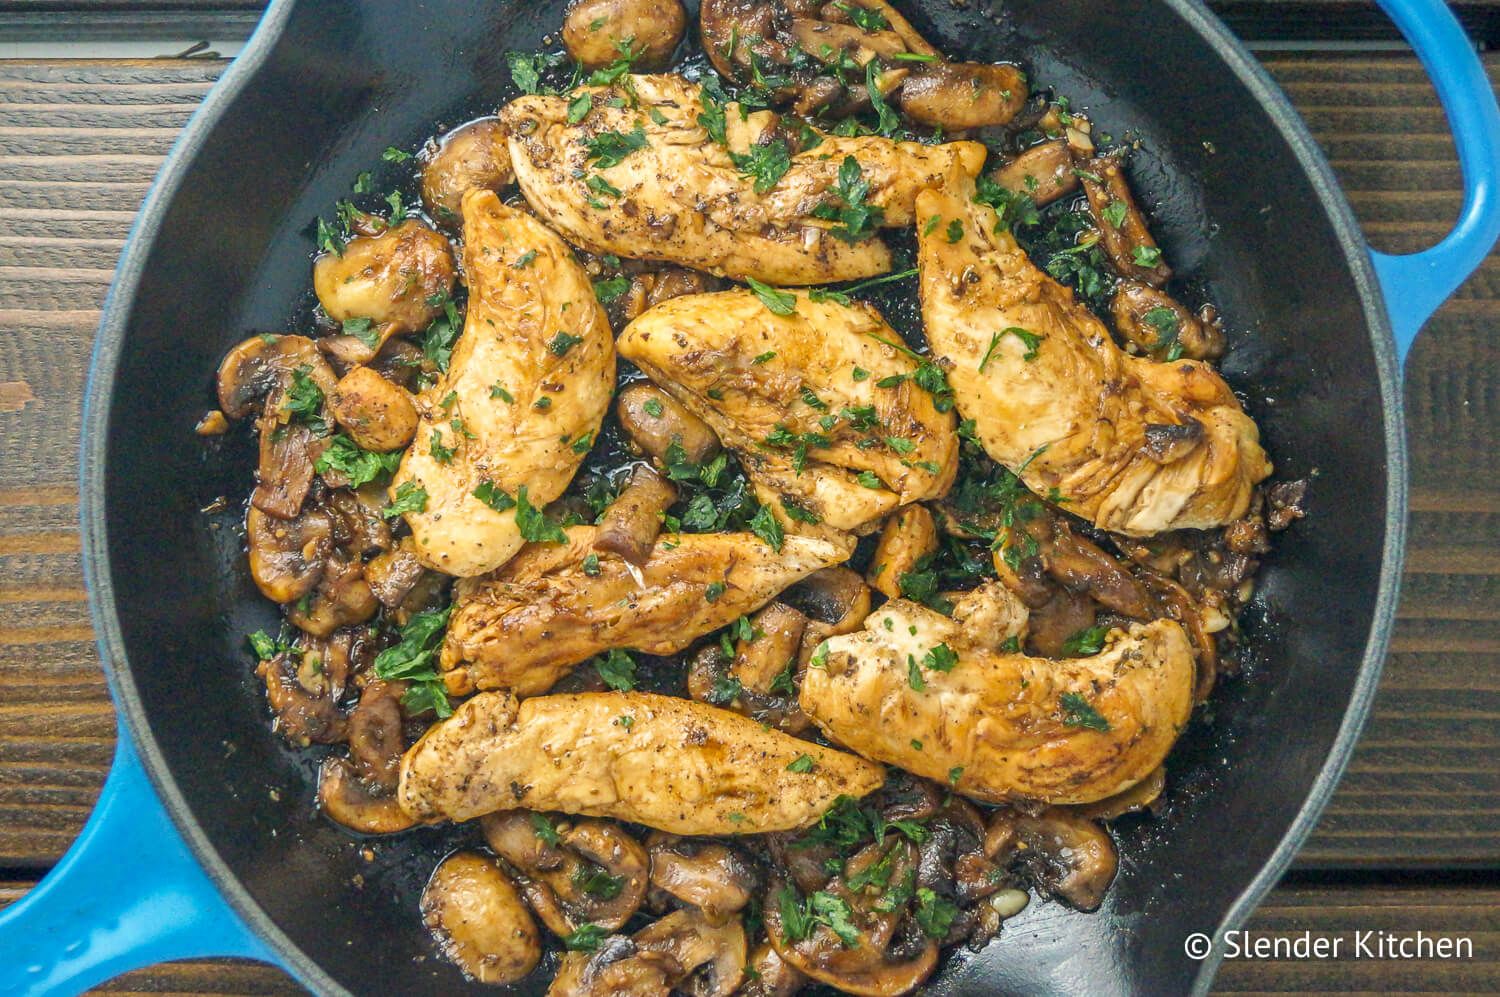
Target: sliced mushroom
(287,556)
(590,872)
(261,364)
(472,156)
(376,414)
(479,921)
(835,601)
(632,522)
(909,535)
(776,638)
(351,803)
(705,874)
(359,529)
(342,597)
(598,32)
(1051,624)
(303,715)
(393,575)
(1153,322)
(1129,244)
(770,975)
(388,282)
(958,96)
(683,952)
(375,738)
(1043,173)
(1071,857)
(888,954)
(654,420)
(650,288)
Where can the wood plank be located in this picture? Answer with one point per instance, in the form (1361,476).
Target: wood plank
(1410,797)
(1326,911)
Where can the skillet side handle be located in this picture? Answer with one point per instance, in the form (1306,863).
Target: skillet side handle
(127,894)
(1415,285)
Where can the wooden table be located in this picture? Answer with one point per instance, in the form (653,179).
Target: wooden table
(1411,840)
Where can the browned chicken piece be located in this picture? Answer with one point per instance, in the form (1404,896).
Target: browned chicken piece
(1123,232)
(1157,325)
(527,625)
(645,180)
(1134,446)
(389,280)
(668,763)
(1043,173)
(1003,726)
(473,156)
(530,376)
(799,398)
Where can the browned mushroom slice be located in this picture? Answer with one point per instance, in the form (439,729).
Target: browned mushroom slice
(1157,325)
(590,872)
(359,529)
(770,975)
(351,803)
(479,920)
(342,597)
(1043,173)
(683,952)
(632,522)
(597,33)
(375,738)
(305,713)
(908,536)
(471,156)
(654,420)
(387,282)
(705,874)
(850,935)
(287,556)
(261,364)
(394,574)
(756,676)
(958,96)
(1057,620)
(835,600)
(775,639)
(377,414)
(1124,235)
(1071,857)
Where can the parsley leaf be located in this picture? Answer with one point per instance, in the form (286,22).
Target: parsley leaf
(802,764)
(410,497)
(776,302)
(608,149)
(608,290)
(765,525)
(617,669)
(493,496)
(412,661)
(586,938)
(562,343)
(534,525)
(856,218)
(1079,712)
(359,465)
(767,162)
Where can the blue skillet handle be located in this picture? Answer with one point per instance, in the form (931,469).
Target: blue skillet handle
(128,894)
(1415,285)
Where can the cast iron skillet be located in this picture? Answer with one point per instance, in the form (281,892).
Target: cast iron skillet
(233,860)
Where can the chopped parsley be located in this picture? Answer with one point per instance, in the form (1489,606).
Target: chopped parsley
(856,218)
(497,390)
(597,882)
(866,20)
(1146,256)
(562,343)
(1087,641)
(359,465)
(410,497)
(1079,712)
(766,163)
(608,149)
(586,938)
(955,230)
(493,496)
(394,155)
(934,915)
(776,302)
(412,661)
(610,289)
(713,591)
(440,453)
(765,525)
(1032,340)
(1114,213)
(534,525)
(1012,208)
(524,260)
(363,330)
(526,68)
(802,764)
(617,669)
(1168,328)
(579,107)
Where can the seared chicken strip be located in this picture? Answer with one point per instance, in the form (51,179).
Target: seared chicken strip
(820,405)
(646,180)
(530,623)
(1135,446)
(1003,726)
(670,764)
(531,375)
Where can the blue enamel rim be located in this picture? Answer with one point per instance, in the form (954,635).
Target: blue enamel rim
(87,923)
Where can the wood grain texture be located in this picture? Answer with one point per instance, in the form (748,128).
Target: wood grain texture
(1441,911)
(79,144)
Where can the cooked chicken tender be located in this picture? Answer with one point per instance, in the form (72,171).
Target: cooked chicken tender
(799,398)
(646,180)
(1055,400)
(530,623)
(531,375)
(1003,726)
(670,764)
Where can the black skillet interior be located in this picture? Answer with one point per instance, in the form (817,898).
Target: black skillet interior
(1239,219)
